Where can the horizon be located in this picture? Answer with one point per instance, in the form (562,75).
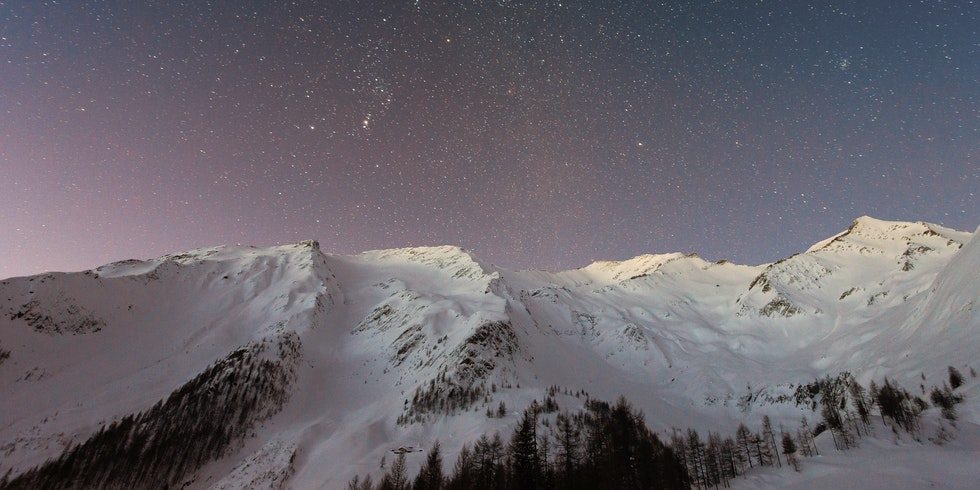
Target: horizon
(539,134)
(477,255)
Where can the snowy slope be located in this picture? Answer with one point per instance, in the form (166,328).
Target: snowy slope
(400,347)
(89,347)
(886,459)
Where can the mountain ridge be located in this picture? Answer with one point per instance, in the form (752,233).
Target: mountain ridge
(403,346)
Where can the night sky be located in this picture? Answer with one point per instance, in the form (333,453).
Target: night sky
(537,134)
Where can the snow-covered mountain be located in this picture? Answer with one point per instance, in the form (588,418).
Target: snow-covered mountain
(316,365)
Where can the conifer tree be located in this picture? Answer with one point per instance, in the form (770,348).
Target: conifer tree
(488,463)
(946,400)
(525,466)
(430,475)
(829,409)
(397,477)
(463,477)
(807,435)
(955,378)
(770,437)
(761,450)
(730,459)
(713,461)
(789,450)
(743,441)
(859,397)
(695,459)
(899,406)
(568,440)
(546,469)
(679,445)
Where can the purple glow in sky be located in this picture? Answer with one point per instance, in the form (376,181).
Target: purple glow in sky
(545,133)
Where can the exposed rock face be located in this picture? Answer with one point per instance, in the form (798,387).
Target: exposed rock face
(60,316)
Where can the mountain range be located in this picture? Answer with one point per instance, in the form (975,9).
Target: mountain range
(313,366)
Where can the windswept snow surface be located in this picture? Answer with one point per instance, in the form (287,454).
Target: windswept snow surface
(401,347)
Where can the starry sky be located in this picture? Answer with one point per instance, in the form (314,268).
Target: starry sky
(539,134)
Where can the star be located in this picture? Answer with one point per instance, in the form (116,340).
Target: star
(529,132)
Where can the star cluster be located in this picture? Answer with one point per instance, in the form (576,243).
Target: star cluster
(536,133)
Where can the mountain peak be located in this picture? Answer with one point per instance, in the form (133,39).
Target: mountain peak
(868,231)
(867,223)
(460,263)
(618,270)
(415,254)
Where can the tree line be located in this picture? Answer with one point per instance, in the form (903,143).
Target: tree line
(197,423)
(610,446)
(603,446)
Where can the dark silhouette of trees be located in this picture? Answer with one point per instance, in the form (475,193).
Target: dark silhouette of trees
(946,400)
(899,405)
(196,424)
(463,476)
(861,402)
(397,476)
(955,378)
(744,444)
(770,437)
(524,463)
(357,484)
(729,460)
(761,450)
(789,450)
(805,436)
(695,458)
(606,446)
(568,439)
(430,475)
(610,446)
